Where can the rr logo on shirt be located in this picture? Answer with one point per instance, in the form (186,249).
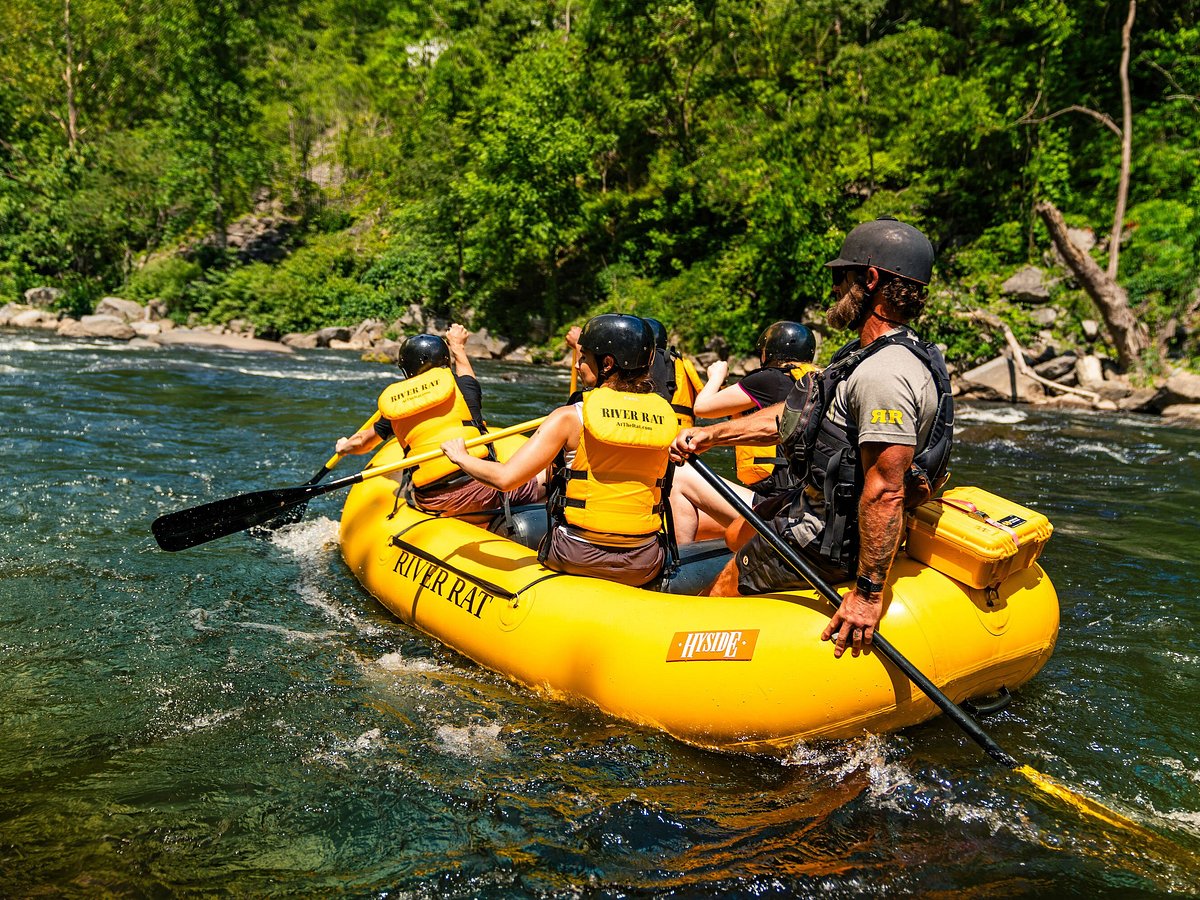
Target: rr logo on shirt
(887,417)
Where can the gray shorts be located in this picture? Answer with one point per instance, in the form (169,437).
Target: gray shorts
(636,566)
(472,497)
(761,570)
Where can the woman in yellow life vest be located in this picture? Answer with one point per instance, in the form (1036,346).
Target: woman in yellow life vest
(786,351)
(610,456)
(433,404)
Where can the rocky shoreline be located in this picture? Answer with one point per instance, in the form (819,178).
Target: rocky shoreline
(1041,376)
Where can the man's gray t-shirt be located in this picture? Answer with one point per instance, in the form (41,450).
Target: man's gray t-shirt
(891,396)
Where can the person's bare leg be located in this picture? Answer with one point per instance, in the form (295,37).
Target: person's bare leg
(685,518)
(708,507)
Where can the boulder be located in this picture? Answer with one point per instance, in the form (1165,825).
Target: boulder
(196,338)
(744,365)
(43,297)
(1057,367)
(1091,329)
(1044,316)
(1089,372)
(369,332)
(298,341)
(242,327)
(1027,286)
(519,355)
(146,329)
(331,334)
(101,326)
(1188,413)
(326,335)
(386,351)
(155,310)
(1140,400)
(998,379)
(34,318)
(8,310)
(125,310)
(1067,401)
(482,345)
(1180,387)
(411,321)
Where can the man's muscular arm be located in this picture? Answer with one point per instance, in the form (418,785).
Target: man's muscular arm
(880,524)
(761,427)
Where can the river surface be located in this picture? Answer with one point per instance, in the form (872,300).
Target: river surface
(242,719)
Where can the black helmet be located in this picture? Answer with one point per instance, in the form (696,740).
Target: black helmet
(660,332)
(627,339)
(890,246)
(787,341)
(423,352)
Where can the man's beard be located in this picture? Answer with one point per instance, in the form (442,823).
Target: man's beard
(851,310)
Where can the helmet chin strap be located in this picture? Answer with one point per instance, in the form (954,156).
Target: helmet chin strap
(875,314)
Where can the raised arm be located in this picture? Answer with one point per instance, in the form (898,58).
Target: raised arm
(456,340)
(713,401)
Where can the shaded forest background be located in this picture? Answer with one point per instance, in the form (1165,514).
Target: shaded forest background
(522,164)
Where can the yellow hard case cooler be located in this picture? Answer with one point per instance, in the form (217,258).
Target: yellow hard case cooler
(976,537)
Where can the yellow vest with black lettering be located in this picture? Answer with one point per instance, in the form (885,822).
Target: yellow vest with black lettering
(687,387)
(614,484)
(757,462)
(426,410)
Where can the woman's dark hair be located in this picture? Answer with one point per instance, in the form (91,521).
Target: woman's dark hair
(632,381)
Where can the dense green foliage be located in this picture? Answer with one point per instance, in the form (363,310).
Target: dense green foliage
(525,163)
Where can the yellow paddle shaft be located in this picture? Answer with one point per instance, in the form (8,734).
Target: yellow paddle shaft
(336,458)
(488,438)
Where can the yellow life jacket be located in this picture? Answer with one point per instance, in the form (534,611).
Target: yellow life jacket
(757,462)
(687,386)
(614,484)
(426,410)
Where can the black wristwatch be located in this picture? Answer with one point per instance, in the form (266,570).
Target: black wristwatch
(866,586)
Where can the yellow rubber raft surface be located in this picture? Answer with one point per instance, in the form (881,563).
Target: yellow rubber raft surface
(747,674)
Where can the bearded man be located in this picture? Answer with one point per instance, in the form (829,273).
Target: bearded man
(869,437)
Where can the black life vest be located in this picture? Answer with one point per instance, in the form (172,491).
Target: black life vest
(762,467)
(825,455)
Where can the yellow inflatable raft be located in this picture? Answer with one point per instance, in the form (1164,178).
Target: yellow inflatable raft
(733,673)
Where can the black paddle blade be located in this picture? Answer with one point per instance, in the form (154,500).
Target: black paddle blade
(289,516)
(200,524)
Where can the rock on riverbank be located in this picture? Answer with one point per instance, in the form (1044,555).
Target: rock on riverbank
(1042,376)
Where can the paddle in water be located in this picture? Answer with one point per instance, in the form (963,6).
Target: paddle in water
(200,524)
(1042,782)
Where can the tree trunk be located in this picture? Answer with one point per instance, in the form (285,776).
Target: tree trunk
(1128,334)
(72,123)
(1114,242)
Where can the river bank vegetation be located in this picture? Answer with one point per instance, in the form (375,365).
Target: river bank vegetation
(521,165)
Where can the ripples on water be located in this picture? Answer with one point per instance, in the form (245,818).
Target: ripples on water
(241,718)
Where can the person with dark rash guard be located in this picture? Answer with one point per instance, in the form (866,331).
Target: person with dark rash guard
(870,437)
(610,455)
(433,404)
(785,352)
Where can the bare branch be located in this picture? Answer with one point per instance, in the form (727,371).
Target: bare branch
(1182,95)
(1018,354)
(1103,118)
